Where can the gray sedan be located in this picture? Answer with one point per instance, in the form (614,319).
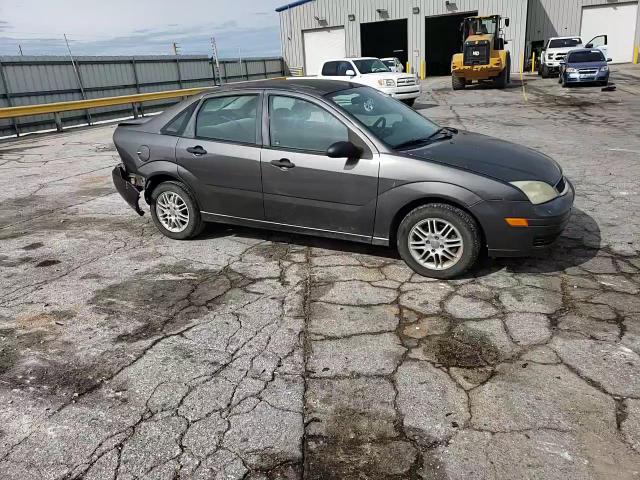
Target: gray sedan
(337,159)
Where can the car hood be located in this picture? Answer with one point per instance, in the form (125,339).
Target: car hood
(393,75)
(491,157)
(563,49)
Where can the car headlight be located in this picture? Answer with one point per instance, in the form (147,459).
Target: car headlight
(604,69)
(536,192)
(570,70)
(386,82)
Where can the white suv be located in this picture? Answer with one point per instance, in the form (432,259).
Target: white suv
(372,72)
(554,51)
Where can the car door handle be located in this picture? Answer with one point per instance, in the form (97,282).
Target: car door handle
(197,150)
(283,164)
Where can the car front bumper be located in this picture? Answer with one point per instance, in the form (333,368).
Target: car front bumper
(403,93)
(546,223)
(577,78)
(126,189)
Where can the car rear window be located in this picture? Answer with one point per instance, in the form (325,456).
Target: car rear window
(230,118)
(564,42)
(585,57)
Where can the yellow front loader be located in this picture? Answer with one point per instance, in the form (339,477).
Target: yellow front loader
(483,56)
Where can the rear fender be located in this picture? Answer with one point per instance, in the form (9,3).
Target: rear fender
(155,173)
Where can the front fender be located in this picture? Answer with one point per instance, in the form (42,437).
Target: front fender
(394,200)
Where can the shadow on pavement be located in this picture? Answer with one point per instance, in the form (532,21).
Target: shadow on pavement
(579,243)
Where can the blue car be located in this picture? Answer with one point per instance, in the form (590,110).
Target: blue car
(584,65)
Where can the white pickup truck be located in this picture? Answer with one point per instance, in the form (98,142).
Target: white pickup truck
(556,48)
(373,73)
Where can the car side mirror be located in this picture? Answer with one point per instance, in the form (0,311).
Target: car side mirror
(344,150)
(609,59)
(350,73)
(506,22)
(589,45)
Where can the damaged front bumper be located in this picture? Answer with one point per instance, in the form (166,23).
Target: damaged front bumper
(126,189)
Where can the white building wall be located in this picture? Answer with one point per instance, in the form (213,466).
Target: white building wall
(559,18)
(335,13)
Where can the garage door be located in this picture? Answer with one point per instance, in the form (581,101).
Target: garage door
(618,22)
(321,45)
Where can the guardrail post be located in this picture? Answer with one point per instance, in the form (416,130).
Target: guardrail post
(9,99)
(226,78)
(246,68)
(179,74)
(134,107)
(264,64)
(58,120)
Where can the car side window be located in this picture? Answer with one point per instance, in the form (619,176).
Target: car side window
(297,124)
(343,67)
(230,118)
(178,123)
(330,69)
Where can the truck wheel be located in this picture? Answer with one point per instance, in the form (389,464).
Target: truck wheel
(458,83)
(438,240)
(175,211)
(409,101)
(544,72)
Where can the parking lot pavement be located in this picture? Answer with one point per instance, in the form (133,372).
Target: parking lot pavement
(249,354)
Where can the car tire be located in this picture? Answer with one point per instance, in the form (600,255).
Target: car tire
(458,83)
(424,226)
(545,72)
(174,197)
(409,101)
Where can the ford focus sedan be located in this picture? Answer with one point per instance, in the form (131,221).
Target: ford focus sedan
(338,159)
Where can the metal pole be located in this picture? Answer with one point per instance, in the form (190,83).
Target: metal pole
(77,72)
(5,84)
(20,50)
(214,46)
(135,77)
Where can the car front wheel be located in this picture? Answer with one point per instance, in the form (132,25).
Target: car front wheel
(439,240)
(174,211)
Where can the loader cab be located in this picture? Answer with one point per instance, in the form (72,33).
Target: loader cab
(484,29)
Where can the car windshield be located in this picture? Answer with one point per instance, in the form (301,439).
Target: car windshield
(392,122)
(585,57)
(370,65)
(564,42)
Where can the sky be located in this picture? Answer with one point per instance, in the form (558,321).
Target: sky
(140,27)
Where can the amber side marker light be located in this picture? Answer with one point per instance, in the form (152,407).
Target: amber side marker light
(517,222)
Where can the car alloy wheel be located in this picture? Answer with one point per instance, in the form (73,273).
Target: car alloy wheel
(172,212)
(436,244)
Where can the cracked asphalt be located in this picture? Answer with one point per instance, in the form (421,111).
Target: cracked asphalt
(260,355)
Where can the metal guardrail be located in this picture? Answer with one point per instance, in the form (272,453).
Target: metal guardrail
(39,80)
(57,107)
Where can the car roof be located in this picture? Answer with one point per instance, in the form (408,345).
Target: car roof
(310,85)
(564,38)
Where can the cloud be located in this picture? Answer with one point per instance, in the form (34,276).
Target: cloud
(252,42)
